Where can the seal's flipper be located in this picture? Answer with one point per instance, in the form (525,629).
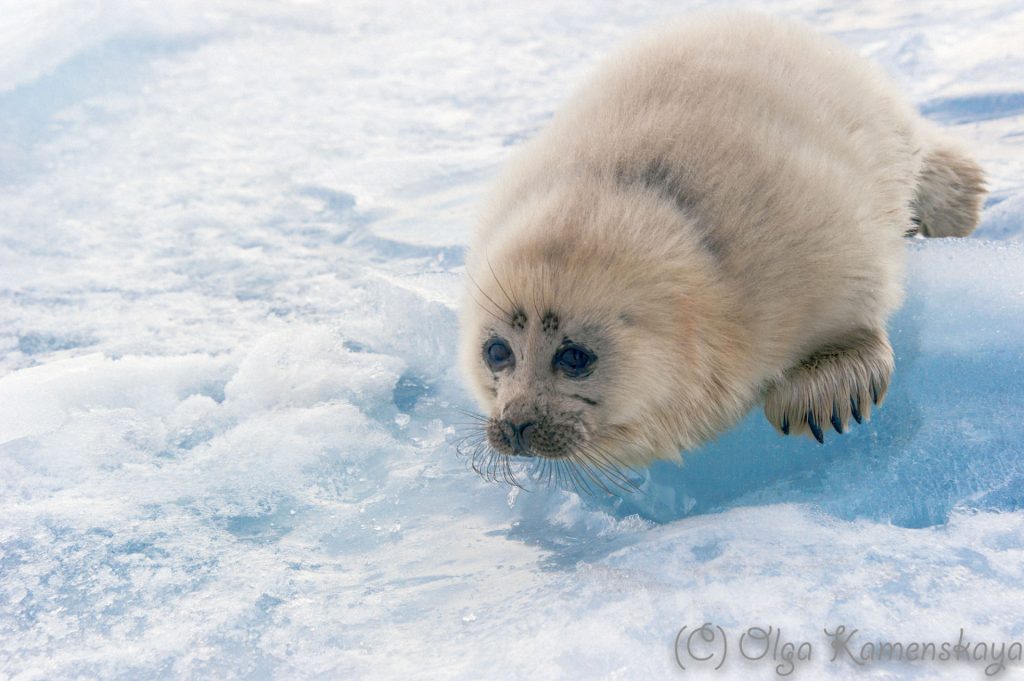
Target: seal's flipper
(950,190)
(839,382)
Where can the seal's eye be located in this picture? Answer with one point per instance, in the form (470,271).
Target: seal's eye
(574,360)
(498,354)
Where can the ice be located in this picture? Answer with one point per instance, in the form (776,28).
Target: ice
(947,435)
(231,236)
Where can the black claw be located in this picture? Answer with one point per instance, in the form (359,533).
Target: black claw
(785,425)
(815,428)
(836,423)
(855,409)
(874,393)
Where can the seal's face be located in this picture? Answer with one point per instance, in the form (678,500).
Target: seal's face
(546,382)
(555,385)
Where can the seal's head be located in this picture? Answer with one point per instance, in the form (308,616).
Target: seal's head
(595,332)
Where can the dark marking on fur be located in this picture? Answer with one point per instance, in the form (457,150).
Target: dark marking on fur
(659,177)
(587,400)
(549,324)
(518,320)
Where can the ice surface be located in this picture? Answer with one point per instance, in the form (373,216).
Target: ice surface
(230,244)
(948,434)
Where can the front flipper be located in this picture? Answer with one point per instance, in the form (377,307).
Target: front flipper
(835,384)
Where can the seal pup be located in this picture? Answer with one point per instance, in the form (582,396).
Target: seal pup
(716,218)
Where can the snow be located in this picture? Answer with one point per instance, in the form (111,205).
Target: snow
(230,245)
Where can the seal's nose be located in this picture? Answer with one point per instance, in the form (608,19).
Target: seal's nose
(520,435)
(523,433)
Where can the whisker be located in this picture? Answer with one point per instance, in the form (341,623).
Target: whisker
(469,449)
(595,470)
(588,470)
(493,461)
(611,476)
(610,466)
(472,440)
(476,419)
(467,412)
(468,430)
(494,274)
(465,444)
(559,469)
(508,315)
(604,457)
(510,476)
(581,483)
(616,470)
(486,309)
(545,471)
(573,474)
(618,461)
(471,426)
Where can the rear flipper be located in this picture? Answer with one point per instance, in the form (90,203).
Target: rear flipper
(950,189)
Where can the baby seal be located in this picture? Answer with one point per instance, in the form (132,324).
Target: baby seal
(716,218)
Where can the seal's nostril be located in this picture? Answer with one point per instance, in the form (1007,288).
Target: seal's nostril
(523,431)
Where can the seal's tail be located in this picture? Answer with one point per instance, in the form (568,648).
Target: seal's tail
(950,189)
